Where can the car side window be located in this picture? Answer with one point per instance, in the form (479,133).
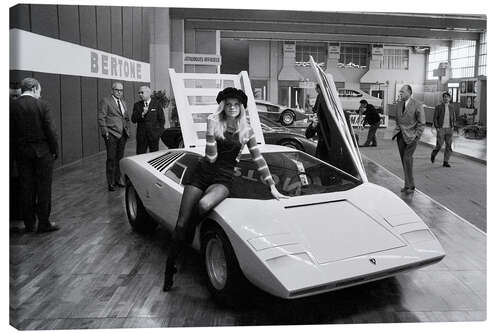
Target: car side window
(272,108)
(261,108)
(178,171)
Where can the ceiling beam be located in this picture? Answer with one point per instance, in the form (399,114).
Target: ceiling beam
(429,21)
(276,36)
(314,28)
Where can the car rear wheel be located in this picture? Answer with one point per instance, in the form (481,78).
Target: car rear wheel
(292,144)
(287,117)
(221,266)
(139,219)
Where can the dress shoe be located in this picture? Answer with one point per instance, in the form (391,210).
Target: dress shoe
(48,227)
(120,184)
(446,165)
(111,188)
(169,278)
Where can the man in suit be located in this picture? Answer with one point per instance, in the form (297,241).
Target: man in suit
(410,124)
(445,115)
(150,119)
(35,147)
(114,125)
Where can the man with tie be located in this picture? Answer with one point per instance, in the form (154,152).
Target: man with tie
(150,119)
(445,115)
(114,125)
(410,124)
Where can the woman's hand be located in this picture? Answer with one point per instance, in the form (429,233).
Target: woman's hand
(276,194)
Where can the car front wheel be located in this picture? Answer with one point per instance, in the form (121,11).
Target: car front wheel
(221,266)
(287,117)
(139,219)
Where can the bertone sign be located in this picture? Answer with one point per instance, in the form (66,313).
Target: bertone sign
(33,52)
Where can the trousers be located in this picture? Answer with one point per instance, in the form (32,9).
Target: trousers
(115,147)
(406,151)
(444,135)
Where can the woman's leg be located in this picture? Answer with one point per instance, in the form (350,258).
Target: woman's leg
(214,195)
(187,212)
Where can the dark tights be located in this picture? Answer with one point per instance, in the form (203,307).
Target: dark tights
(194,205)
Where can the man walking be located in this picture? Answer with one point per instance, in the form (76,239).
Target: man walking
(114,125)
(373,119)
(444,121)
(150,119)
(35,147)
(410,124)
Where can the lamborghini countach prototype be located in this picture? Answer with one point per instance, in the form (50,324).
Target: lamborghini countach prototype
(336,230)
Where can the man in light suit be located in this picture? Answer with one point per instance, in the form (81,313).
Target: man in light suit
(445,115)
(113,122)
(148,114)
(410,124)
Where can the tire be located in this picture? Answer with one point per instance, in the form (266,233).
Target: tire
(139,219)
(287,117)
(224,276)
(292,144)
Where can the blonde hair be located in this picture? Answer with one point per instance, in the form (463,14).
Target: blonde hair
(221,123)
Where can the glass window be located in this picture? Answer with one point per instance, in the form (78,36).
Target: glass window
(463,57)
(295,174)
(395,58)
(316,50)
(179,169)
(481,70)
(436,56)
(354,56)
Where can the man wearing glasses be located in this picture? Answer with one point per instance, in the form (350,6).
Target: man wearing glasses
(114,125)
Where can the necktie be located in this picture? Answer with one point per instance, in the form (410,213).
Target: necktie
(146,104)
(404,107)
(119,106)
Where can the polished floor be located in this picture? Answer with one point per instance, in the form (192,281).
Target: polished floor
(97,273)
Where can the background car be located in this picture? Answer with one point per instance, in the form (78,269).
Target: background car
(350,98)
(273,134)
(285,115)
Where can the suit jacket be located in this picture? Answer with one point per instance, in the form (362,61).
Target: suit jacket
(111,120)
(439,111)
(411,123)
(33,132)
(151,125)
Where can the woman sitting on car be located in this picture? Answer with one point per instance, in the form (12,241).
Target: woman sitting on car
(210,181)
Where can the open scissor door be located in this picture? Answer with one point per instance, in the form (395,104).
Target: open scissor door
(344,151)
(195,95)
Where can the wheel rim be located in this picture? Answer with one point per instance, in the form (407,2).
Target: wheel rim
(287,118)
(216,263)
(132,203)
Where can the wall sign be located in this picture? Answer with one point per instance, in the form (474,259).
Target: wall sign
(202,59)
(33,52)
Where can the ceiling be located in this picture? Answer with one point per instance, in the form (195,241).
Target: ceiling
(357,27)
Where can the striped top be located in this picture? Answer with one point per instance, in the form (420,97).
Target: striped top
(211,153)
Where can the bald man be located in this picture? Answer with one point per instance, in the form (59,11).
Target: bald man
(410,124)
(150,119)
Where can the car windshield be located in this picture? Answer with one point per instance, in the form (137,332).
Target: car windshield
(295,174)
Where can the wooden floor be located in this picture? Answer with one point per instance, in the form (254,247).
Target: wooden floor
(97,273)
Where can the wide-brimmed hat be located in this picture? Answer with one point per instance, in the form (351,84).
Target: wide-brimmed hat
(231,92)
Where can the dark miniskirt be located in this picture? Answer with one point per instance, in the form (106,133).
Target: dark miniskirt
(206,174)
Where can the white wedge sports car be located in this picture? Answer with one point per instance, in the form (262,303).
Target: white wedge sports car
(336,229)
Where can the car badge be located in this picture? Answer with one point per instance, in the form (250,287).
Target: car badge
(373,261)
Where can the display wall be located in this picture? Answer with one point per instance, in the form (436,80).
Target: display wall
(122,31)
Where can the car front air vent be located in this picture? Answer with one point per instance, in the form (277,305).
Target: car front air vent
(162,162)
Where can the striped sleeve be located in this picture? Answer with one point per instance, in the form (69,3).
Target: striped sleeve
(259,159)
(211,144)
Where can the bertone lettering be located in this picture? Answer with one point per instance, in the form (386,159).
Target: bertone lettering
(115,66)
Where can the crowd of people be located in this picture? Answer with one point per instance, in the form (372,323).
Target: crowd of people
(34,145)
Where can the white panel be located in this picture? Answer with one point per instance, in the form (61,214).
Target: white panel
(33,52)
